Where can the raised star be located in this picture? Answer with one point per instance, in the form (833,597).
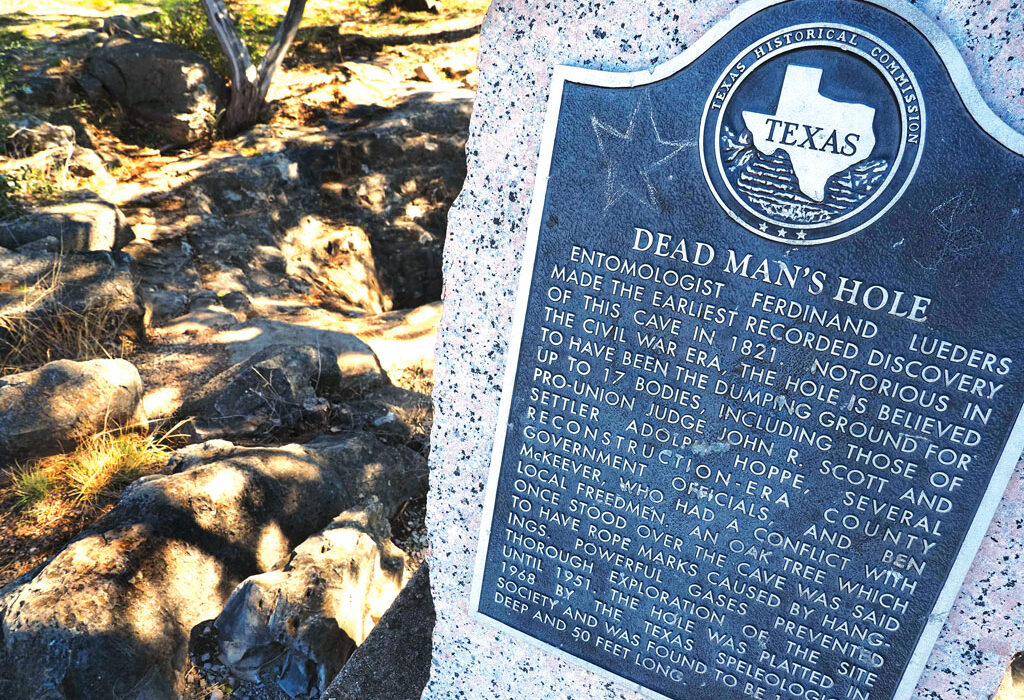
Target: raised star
(763,227)
(801,235)
(782,233)
(632,154)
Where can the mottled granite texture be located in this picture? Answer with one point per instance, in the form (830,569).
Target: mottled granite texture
(520,44)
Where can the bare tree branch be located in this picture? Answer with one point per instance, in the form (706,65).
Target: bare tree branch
(249,84)
(283,39)
(239,61)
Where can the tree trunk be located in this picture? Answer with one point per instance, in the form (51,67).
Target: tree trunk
(249,84)
(245,108)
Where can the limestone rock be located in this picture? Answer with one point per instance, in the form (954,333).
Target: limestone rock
(171,90)
(390,176)
(339,260)
(86,162)
(305,618)
(33,135)
(110,615)
(89,223)
(44,411)
(394,661)
(279,389)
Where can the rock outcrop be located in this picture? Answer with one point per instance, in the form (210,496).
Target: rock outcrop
(339,260)
(30,136)
(394,661)
(112,612)
(299,624)
(45,411)
(171,90)
(122,25)
(280,389)
(88,223)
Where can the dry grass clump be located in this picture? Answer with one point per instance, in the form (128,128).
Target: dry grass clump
(99,468)
(49,501)
(31,486)
(30,338)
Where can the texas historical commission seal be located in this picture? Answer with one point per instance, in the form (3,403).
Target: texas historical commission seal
(812,133)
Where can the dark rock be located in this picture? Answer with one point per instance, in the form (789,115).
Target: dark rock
(270,259)
(411,263)
(298,624)
(44,91)
(432,6)
(395,415)
(84,134)
(393,475)
(163,305)
(123,26)
(394,661)
(78,281)
(174,91)
(395,178)
(89,223)
(110,615)
(47,410)
(49,244)
(274,391)
(232,301)
(271,392)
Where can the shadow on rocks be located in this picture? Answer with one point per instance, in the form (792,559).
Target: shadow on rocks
(114,609)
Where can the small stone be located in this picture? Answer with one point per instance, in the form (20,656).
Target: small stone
(163,305)
(123,26)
